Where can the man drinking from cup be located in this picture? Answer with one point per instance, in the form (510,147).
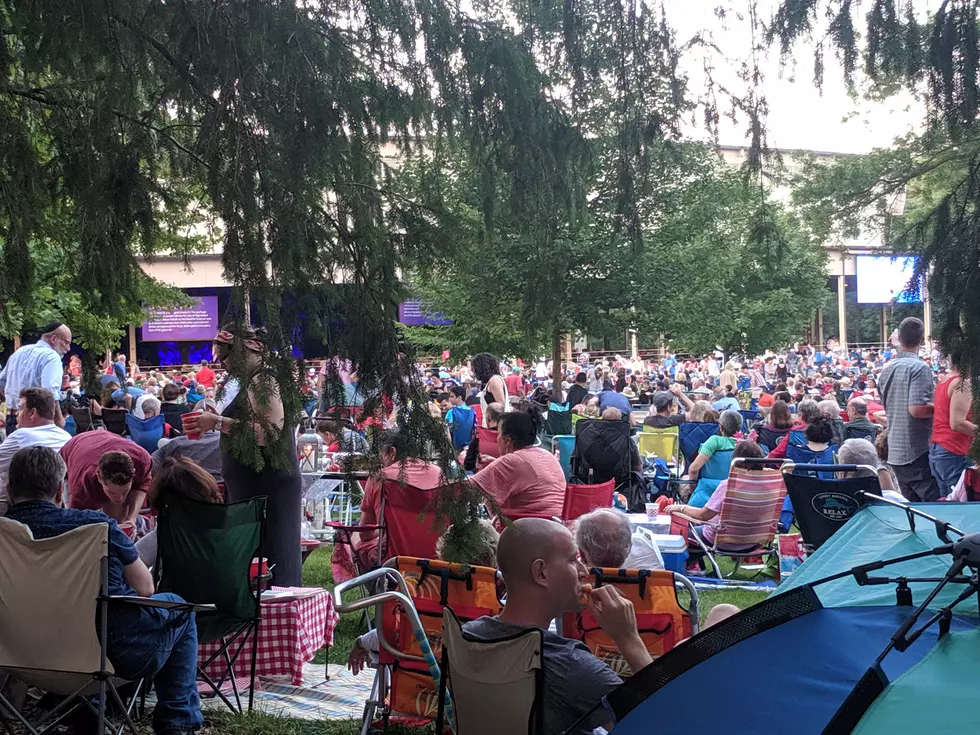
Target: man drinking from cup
(107,472)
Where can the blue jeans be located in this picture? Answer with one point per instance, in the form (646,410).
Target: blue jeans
(947,467)
(161,644)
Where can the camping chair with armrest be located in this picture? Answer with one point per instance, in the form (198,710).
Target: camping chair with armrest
(822,505)
(971,484)
(146,432)
(691,435)
(495,686)
(602,451)
(83,419)
(408,526)
(54,619)
(582,499)
(564,445)
(663,443)
(660,618)
(749,517)
(204,554)
(114,420)
(408,595)
(749,417)
(488,441)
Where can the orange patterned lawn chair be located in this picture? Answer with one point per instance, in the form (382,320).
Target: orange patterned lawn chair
(660,618)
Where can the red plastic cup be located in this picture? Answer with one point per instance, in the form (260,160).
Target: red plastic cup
(129,529)
(254,570)
(191,433)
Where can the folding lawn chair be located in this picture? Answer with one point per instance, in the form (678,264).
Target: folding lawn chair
(749,517)
(488,441)
(114,420)
(409,595)
(663,443)
(83,419)
(822,506)
(971,484)
(408,527)
(54,618)
(145,432)
(564,444)
(660,619)
(582,499)
(496,686)
(691,435)
(204,554)
(602,451)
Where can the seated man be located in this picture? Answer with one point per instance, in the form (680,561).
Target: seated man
(858,425)
(142,641)
(863,452)
(663,403)
(107,472)
(544,578)
(603,538)
(524,479)
(36,427)
(206,451)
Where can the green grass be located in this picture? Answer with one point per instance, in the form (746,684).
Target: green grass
(317,573)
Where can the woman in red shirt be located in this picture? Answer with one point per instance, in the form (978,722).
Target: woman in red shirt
(952,428)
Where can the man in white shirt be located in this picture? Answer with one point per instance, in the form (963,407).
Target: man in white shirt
(35,428)
(37,366)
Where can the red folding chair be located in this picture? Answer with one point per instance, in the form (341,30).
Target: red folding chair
(408,526)
(582,499)
(488,441)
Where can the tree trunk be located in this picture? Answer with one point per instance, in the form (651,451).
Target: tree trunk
(556,372)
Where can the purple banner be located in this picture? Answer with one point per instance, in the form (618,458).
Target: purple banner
(412,313)
(198,323)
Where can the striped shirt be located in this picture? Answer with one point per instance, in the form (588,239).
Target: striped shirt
(32,366)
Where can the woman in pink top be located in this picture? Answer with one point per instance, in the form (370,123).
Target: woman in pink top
(525,480)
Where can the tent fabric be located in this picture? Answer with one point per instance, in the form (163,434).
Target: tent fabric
(879,532)
(944,678)
(824,654)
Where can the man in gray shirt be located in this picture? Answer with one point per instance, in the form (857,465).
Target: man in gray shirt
(544,577)
(906,390)
(206,451)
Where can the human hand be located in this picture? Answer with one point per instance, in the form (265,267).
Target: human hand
(676,389)
(202,423)
(675,508)
(357,660)
(612,611)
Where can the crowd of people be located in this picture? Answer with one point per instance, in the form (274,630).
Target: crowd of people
(905,411)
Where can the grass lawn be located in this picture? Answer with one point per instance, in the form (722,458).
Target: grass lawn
(316,573)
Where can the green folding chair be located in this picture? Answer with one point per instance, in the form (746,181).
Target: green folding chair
(204,554)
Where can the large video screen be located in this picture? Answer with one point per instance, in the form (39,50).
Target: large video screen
(198,323)
(414,313)
(883,279)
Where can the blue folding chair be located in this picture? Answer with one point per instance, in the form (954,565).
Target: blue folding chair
(146,432)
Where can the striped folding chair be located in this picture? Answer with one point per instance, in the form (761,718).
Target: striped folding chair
(749,517)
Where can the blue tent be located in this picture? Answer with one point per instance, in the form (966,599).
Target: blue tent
(876,632)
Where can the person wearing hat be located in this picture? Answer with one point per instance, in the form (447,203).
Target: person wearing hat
(37,366)
(663,404)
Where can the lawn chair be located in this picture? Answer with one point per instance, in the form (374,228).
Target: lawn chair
(145,432)
(660,619)
(83,419)
(663,443)
(54,619)
(204,554)
(749,517)
(971,484)
(822,506)
(487,441)
(409,595)
(749,417)
(564,444)
(691,435)
(496,686)
(114,420)
(408,526)
(602,451)
(582,499)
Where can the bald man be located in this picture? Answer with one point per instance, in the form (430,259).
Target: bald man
(544,576)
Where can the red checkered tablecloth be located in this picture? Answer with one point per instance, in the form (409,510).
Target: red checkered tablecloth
(290,634)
